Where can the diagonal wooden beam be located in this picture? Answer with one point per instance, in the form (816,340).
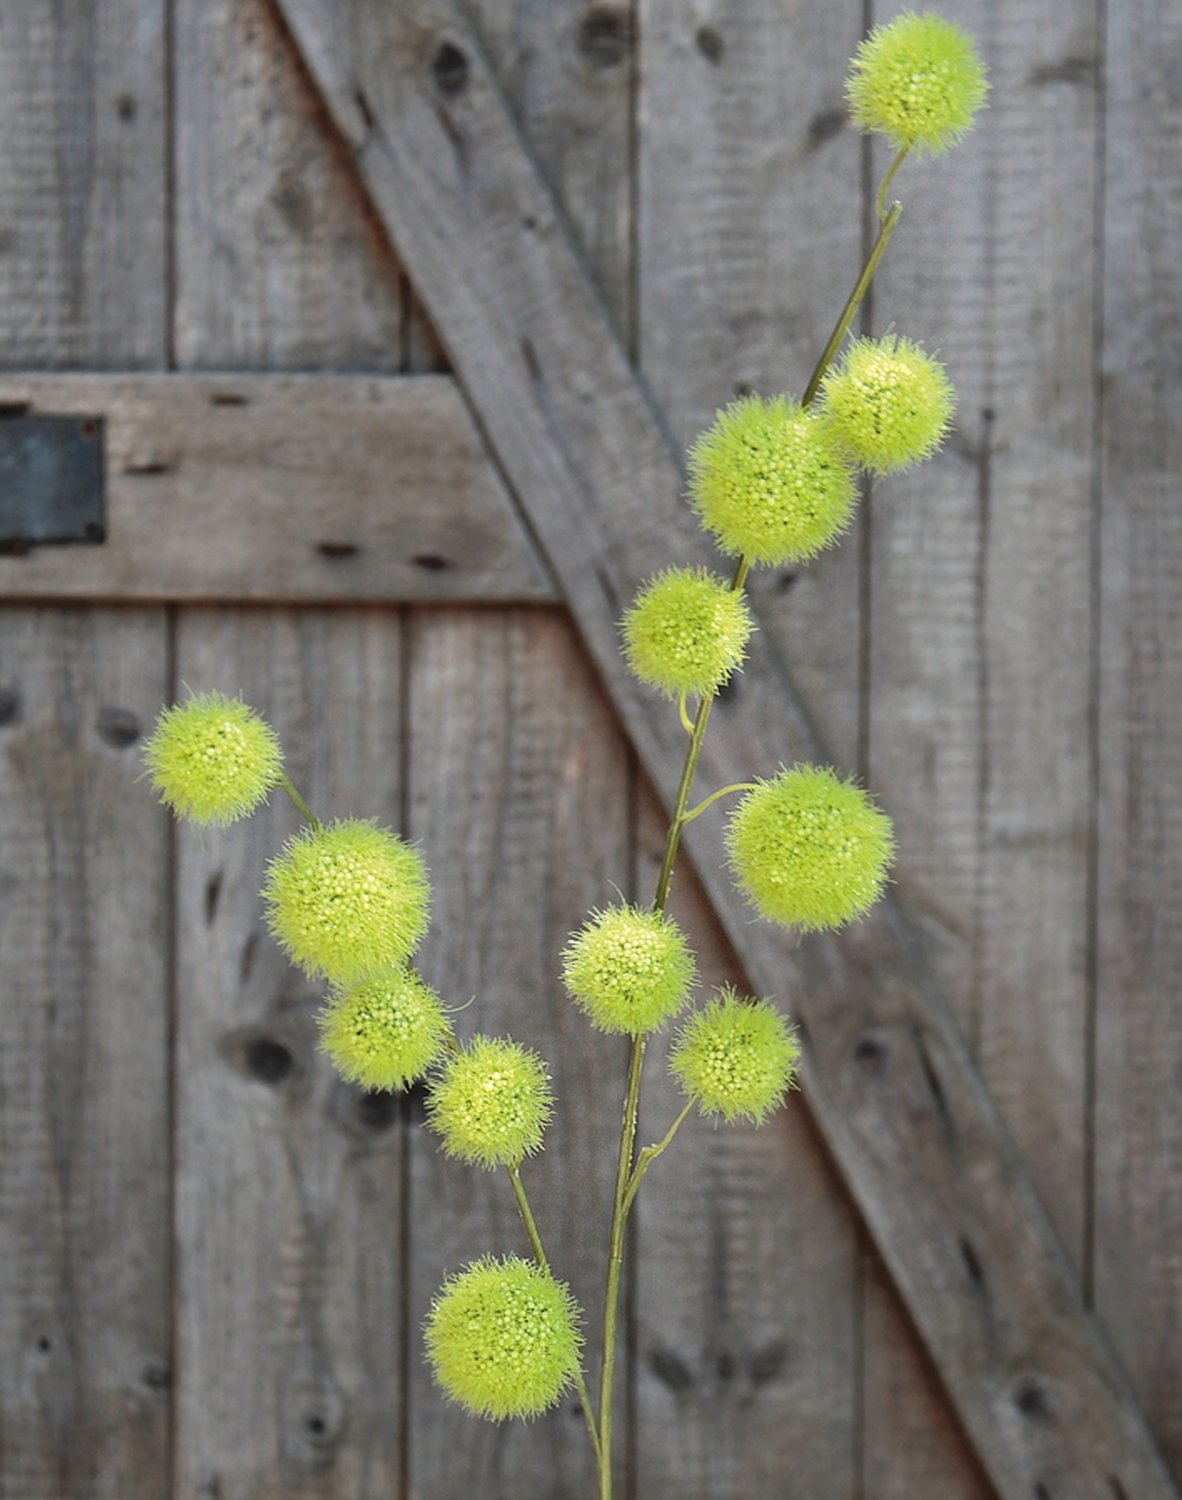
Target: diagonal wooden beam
(886,1073)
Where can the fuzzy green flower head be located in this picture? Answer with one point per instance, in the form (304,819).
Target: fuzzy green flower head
(347,901)
(385,1032)
(736,1057)
(770,482)
(491,1103)
(889,402)
(503,1338)
(686,632)
(213,759)
(918,81)
(628,970)
(809,849)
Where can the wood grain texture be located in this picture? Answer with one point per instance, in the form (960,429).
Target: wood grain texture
(280,488)
(980,602)
(84,1189)
(917,1137)
(519,798)
(289,1294)
(1138,1267)
(82,224)
(748,221)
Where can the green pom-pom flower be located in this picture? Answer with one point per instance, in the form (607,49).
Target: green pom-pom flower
(918,81)
(385,1032)
(213,759)
(347,900)
(889,403)
(736,1057)
(770,482)
(503,1338)
(686,632)
(628,969)
(809,849)
(491,1103)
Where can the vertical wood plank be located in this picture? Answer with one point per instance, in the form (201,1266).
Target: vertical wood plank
(288,1201)
(1138,1235)
(519,798)
(84,1171)
(84,1192)
(748,233)
(980,624)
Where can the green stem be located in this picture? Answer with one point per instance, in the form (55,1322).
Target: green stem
(305,810)
(535,1241)
(686,722)
(649,1155)
(880,207)
(842,326)
(723,791)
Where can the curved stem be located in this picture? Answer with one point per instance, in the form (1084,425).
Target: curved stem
(305,811)
(723,791)
(649,1155)
(686,722)
(535,1241)
(880,207)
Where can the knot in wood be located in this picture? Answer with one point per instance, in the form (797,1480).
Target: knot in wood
(450,69)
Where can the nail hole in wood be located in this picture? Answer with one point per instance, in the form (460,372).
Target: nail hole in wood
(430,562)
(228,398)
(44,1344)
(670,1370)
(605,36)
(824,126)
(267,1060)
(972,1263)
(377,1109)
(785,581)
(709,44)
(119,727)
(125,108)
(1032,1401)
(213,891)
(871,1053)
(335,551)
(449,68)
(10,707)
(155,1376)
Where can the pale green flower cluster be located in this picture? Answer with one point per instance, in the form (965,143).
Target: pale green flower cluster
(629,970)
(490,1103)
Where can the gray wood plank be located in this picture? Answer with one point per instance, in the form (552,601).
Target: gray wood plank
(519,799)
(1138,1185)
(748,236)
(279,487)
(919,1142)
(82,224)
(84,1187)
(289,1296)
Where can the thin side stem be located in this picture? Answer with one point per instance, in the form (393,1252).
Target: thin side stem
(723,791)
(649,1155)
(535,1241)
(305,811)
(683,714)
(880,207)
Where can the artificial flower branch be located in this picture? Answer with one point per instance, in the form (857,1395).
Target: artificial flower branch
(773,481)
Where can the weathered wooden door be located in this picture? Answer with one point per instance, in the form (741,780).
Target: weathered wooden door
(214,1258)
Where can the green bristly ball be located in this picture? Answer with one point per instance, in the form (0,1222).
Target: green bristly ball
(491,1103)
(347,901)
(386,1032)
(735,1058)
(889,403)
(919,82)
(768,480)
(213,759)
(503,1338)
(629,970)
(808,849)
(686,632)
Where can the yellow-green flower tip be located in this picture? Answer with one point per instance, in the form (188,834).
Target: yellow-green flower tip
(347,901)
(503,1338)
(686,632)
(735,1058)
(628,970)
(491,1103)
(213,759)
(918,81)
(809,849)
(889,402)
(768,480)
(385,1032)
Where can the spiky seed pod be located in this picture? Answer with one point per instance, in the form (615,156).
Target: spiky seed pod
(491,1103)
(770,482)
(629,970)
(385,1032)
(736,1057)
(686,631)
(889,402)
(347,901)
(503,1338)
(918,81)
(809,849)
(213,759)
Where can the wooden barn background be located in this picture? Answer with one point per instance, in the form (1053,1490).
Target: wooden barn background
(355,294)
